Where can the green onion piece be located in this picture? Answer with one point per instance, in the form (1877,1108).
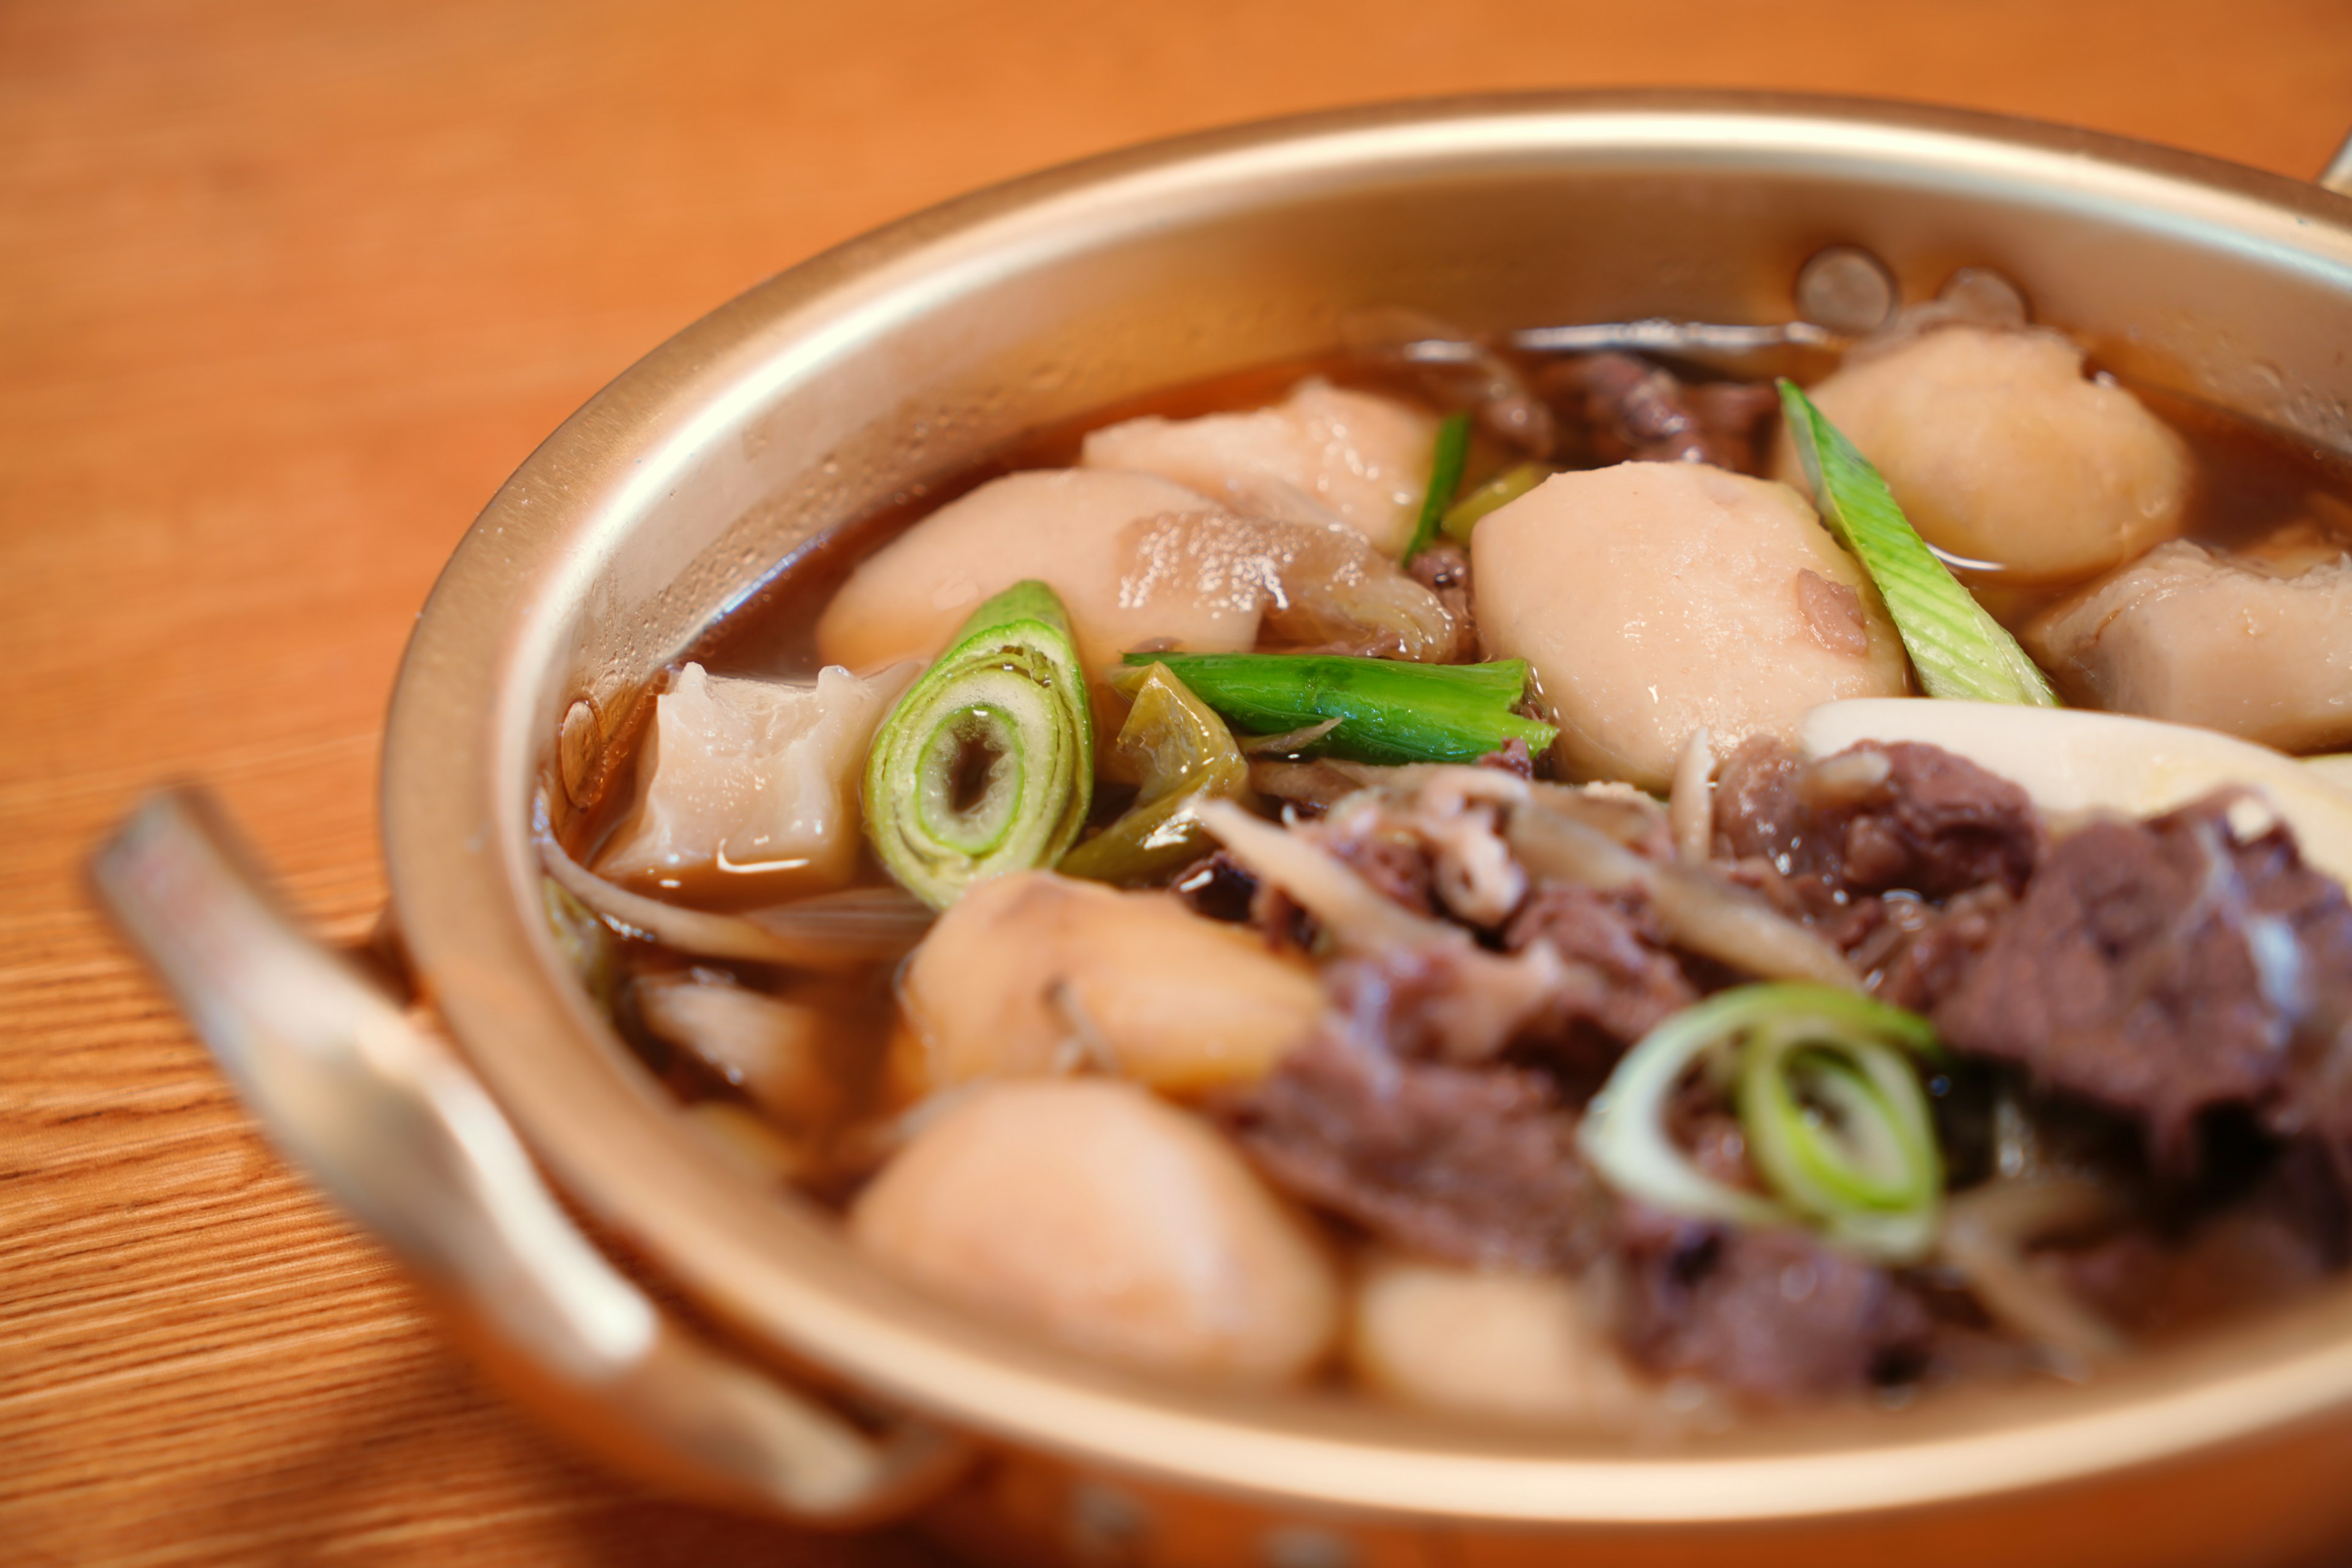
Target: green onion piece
(1184,755)
(1835,1120)
(986,766)
(1957,648)
(1493,496)
(1444,478)
(1389,711)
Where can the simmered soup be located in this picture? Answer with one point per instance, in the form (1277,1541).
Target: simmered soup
(1588,890)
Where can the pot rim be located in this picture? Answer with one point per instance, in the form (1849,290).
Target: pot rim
(466,741)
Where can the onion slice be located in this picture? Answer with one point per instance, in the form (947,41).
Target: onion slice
(832,931)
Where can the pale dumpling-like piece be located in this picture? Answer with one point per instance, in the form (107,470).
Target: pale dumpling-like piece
(2000,450)
(1324,452)
(753,775)
(1069,529)
(1653,598)
(1525,1346)
(1091,1212)
(1033,971)
(2183,635)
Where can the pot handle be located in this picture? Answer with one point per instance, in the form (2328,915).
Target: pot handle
(2337,175)
(355,1091)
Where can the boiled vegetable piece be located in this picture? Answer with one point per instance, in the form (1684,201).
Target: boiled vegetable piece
(2000,451)
(770,1047)
(1959,649)
(1071,530)
(1034,973)
(1835,1120)
(1323,454)
(1089,1211)
(987,764)
(1654,599)
(1445,478)
(1183,753)
(1526,1347)
(2071,760)
(753,776)
(2184,635)
(1389,711)
(1493,496)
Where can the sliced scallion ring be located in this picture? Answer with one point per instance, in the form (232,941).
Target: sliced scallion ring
(1830,1103)
(986,766)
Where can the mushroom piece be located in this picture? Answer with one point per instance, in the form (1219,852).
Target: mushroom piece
(753,777)
(1653,599)
(1323,454)
(1089,1211)
(2185,635)
(2001,452)
(1032,972)
(1524,1346)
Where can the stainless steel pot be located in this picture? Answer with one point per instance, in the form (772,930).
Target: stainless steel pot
(814,1389)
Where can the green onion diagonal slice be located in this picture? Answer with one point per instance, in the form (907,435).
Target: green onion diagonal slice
(986,766)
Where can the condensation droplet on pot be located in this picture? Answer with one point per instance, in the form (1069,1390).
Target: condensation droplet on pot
(1303,1546)
(1981,295)
(1106,1525)
(575,750)
(1846,289)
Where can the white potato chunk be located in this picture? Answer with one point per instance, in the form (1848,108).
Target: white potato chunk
(748,776)
(2071,760)
(1523,1346)
(1069,529)
(1033,971)
(2183,635)
(771,1049)
(1651,599)
(1090,1210)
(1323,453)
(2000,450)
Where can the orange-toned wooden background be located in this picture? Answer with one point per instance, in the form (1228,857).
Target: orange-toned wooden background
(285,287)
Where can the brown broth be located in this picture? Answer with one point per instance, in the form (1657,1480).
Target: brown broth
(2250,482)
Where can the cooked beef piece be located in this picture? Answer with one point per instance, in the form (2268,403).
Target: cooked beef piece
(1394,864)
(1513,758)
(1445,570)
(1632,409)
(1470,1165)
(1309,789)
(1626,980)
(2287,1234)
(2167,968)
(1775,1316)
(1911,952)
(1875,818)
(1217,887)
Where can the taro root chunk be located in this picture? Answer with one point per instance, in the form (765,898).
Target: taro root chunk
(2185,636)
(1653,598)
(1521,1346)
(2000,450)
(1089,1211)
(753,777)
(1033,971)
(1067,529)
(1325,453)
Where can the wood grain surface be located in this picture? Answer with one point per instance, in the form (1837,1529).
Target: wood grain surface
(286,286)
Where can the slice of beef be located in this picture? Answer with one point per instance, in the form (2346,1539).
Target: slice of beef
(1875,818)
(1445,570)
(1773,1316)
(2167,968)
(1467,1165)
(1632,409)
(2289,1233)
(1627,981)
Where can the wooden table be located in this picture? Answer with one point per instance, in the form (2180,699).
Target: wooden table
(285,287)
